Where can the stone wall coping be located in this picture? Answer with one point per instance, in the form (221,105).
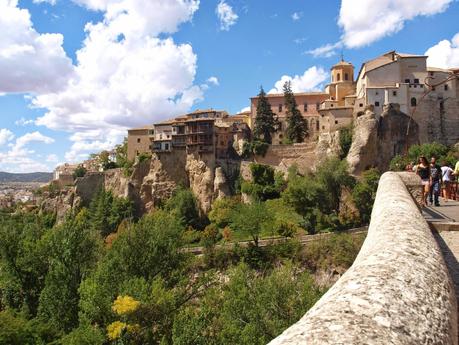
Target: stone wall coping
(397,291)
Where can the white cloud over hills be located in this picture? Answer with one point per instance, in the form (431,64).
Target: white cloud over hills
(127,73)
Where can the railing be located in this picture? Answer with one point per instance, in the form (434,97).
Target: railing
(398,290)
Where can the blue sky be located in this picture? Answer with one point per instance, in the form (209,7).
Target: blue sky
(113,64)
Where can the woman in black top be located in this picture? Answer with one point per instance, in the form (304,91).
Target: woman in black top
(423,170)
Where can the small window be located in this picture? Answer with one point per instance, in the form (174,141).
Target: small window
(376,104)
(280,108)
(338,77)
(323,127)
(305,107)
(317,125)
(336,122)
(138,140)
(317,105)
(413,102)
(407,81)
(166,147)
(346,76)
(446,87)
(361,105)
(416,81)
(280,136)
(394,93)
(377,93)
(331,105)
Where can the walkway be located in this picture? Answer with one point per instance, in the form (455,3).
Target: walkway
(445,222)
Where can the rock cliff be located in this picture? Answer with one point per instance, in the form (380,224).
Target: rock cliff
(376,141)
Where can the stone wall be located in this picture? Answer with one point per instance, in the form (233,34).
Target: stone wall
(87,186)
(398,290)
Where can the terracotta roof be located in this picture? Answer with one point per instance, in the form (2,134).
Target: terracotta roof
(317,93)
(342,63)
(141,128)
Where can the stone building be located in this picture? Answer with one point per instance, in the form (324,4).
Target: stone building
(308,103)
(428,95)
(139,141)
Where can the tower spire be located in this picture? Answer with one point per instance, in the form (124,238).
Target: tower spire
(342,56)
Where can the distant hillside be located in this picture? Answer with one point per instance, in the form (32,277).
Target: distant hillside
(29,177)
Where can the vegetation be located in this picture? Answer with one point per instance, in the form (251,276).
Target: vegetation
(297,127)
(345,140)
(439,151)
(80,171)
(265,122)
(101,276)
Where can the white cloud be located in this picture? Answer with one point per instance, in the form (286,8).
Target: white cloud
(213,80)
(126,74)
(5,136)
(297,16)
(23,122)
(52,158)
(226,15)
(51,2)
(19,156)
(243,110)
(445,54)
(29,61)
(326,51)
(311,80)
(364,22)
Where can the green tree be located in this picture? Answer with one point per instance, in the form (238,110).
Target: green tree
(80,171)
(73,251)
(345,140)
(251,219)
(364,193)
(266,122)
(183,205)
(297,127)
(220,215)
(23,261)
(265,184)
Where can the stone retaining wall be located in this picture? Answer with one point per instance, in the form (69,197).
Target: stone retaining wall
(398,290)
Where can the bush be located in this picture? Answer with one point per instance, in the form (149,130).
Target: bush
(84,335)
(345,140)
(80,171)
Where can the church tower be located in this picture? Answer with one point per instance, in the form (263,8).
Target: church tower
(342,82)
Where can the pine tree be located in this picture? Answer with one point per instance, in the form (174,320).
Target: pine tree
(297,127)
(266,122)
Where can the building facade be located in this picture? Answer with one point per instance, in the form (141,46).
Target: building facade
(139,141)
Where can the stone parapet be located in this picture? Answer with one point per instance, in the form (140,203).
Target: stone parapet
(398,290)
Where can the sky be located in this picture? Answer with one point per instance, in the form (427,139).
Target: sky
(75,74)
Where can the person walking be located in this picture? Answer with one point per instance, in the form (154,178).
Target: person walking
(435,182)
(423,171)
(448,178)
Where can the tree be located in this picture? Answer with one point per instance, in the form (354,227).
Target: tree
(265,184)
(251,219)
(73,251)
(80,171)
(364,193)
(297,127)
(266,122)
(183,205)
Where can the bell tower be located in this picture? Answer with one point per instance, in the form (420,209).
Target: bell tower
(342,81)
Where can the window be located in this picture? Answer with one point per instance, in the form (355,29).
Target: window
(280,136)
(305,107)
(394,93)
(407,81)
(323,127)
(416,81)
(338,77)
(377,93)
(361,105)
(138,140)
(331,105)
(446,87)
(166,146)
(280,108)
(317,125)
(137,152)
(346,76)
(318,105)
(336,122)
(413,102)
(376,104)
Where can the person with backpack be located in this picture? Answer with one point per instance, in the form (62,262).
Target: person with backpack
(435,182)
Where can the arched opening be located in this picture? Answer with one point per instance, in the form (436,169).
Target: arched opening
(338,77)
(346,76)
(413,102)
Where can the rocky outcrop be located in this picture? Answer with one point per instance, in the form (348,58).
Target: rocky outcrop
(327,146)
(221,186)
(201,174)
(376,141)
(88,186)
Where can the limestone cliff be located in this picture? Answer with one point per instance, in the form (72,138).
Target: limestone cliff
(376,141)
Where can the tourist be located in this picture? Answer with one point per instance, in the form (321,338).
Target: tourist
(435,182)
(423,170)
(448,178)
